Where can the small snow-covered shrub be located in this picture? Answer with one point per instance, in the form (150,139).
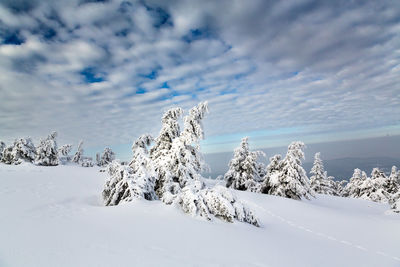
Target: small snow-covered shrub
(245,172)
(86,162)
(218,201)
(46,152)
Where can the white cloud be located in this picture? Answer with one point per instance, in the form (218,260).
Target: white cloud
(323,67)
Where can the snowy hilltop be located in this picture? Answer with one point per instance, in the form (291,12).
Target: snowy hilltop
(135,213)
(56,217)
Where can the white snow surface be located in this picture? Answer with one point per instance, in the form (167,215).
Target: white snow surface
(53,216)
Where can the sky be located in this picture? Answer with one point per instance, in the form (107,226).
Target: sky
(276,71)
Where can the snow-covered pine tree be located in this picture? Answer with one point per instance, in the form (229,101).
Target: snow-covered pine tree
(116,188)
(244,169)
(340,185)
(373,188)
(376,188)
(46,152)
(160,152)
(394,181)
(2,147)
(8,156)
(352,189)
(79,153)
(184,162)
(106,157)
(394,202)
(319,181)
(175,164)
(291,180)
(64,150)
(22,149)
(274,166)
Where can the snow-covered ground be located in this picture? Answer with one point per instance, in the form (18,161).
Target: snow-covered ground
(53,216)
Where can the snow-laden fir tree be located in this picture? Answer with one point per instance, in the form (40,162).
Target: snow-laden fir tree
(183,162)
(319,181)
(160,152)
(394,202)
(47,152)
(106,157)
(172,172)
(79,153)
(63,153)
(22,149)
(352,189)
(116,188)
(375,188)
(290,180)
(273,167)
(244,168)
(64,150)
(2,147)
(393,185)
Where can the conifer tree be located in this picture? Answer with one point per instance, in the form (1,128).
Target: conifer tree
(2,147)
(319,181)
(46,152)
(244,169)
(291,180)
(79,153)
(106,157)
(172,172)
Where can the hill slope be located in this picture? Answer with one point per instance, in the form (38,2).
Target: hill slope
(53,216)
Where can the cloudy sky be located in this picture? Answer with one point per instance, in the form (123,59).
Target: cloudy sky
(104,71)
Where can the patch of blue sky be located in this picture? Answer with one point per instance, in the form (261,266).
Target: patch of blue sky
(91,75)
(8,37)
(197,34)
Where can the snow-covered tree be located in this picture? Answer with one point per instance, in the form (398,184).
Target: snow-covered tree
(218,201)
(319,181)
(64,150)
(340,185)
(46,152)
(352,188)
(172,172)
(375,188)
(393,185)
(86,162)
(143,173)
(290,180)
(22,149)
(106,157)
(394,202)
(244,169)
(116,189)
(273,167)
(8,156)
(79,153)
(160,152)
(2,147)
(178,161)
